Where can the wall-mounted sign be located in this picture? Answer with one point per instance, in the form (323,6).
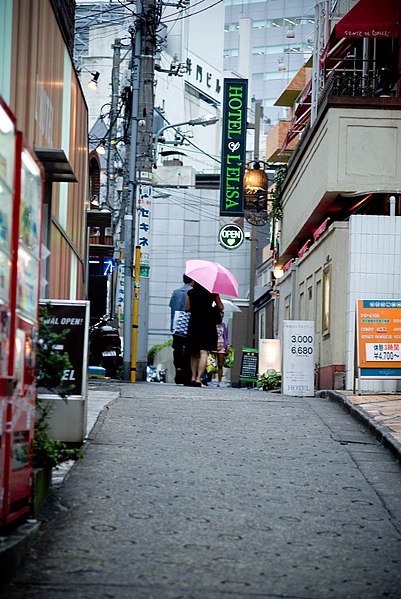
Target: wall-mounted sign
(378,339)
(204,76)
(231,236)
(233,146)
(298,358)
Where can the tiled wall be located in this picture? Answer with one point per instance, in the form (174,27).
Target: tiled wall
(374,272)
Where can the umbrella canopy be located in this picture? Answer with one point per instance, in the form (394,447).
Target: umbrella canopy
(230,306)
(212,276)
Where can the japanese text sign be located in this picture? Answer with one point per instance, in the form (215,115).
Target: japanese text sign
(378,330)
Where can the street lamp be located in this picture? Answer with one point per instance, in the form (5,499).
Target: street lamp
(207,119)
(255,192)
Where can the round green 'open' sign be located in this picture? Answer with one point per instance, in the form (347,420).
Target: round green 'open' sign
(231,236)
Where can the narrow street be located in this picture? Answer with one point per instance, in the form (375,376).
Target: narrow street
(206,493)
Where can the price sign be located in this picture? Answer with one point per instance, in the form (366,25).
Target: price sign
(301,345)
(378,335)
(298,357)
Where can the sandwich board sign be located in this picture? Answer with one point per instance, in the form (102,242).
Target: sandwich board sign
(298,358)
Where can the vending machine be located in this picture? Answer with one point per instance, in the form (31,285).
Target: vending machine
(25,286)
(20,243)
(7,194)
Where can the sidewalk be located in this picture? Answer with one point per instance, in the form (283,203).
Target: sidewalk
(14,545)
(381,413)
(213,492)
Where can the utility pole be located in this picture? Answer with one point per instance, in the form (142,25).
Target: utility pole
(144,172)
(140,191)
(115,84)
(111,146)
(130,208)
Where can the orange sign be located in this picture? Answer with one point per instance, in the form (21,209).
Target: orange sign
(378,327)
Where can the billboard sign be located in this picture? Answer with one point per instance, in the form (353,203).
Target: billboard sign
(233,152)
(378,335)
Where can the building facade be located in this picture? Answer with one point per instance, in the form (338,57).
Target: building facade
(339,233)
(43,92)
(267,42)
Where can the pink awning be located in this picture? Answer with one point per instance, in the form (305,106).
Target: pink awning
(370,18)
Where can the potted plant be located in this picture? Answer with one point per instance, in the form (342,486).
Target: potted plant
(48,453)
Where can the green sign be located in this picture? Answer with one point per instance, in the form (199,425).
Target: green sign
(249,365)
(231,236)
(233,147)
(144,271)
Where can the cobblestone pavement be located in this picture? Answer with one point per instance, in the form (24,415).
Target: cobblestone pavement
(385,409)
(209,493)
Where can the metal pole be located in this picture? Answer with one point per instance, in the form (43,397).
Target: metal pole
(135,313)
(115,84)
(129,217)
(252,272)
(111,197)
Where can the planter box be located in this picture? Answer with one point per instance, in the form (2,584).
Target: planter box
(42,480)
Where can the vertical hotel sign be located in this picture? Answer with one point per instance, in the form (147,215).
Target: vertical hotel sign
(233,147)
(378,328)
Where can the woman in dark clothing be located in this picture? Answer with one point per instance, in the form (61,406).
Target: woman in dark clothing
(202,334)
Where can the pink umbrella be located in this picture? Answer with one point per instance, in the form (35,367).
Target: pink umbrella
(212,276)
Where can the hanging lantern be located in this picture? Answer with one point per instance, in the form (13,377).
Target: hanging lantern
(255,194)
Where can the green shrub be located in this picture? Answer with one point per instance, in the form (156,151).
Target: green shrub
(156,348)
(270,381)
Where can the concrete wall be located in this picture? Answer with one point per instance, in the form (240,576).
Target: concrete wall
(363,256)
(337,160)
(302,298)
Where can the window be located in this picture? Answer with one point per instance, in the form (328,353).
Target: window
(230,53)
(231,26)
(326,300)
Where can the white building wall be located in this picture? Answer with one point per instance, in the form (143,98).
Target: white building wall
(185,226)
(374,271)
(329,251)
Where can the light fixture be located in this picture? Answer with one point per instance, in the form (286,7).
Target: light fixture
(101,148)
(93,82)
(255,179)
(290,31)
(278,272)
(255,193)
(281,65)
(207,119)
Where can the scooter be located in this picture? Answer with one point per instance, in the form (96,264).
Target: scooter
(156,374)
(105,347)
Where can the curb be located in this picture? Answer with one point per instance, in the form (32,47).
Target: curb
(13,547)
(380,432)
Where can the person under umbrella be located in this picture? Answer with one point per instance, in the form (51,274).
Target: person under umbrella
(202,334)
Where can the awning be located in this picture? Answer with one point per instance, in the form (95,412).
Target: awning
(56,165)
(370,18)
